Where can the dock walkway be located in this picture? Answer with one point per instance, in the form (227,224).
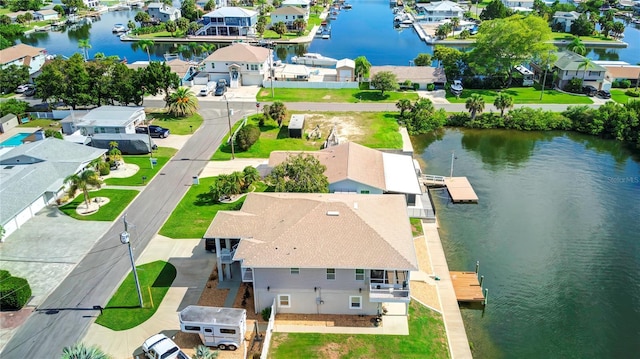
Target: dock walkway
(459,188)
(467,287)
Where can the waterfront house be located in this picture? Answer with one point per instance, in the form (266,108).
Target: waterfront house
(620,70)
(239,63)
(421,75)
(519,5)
(45,14)
(318,253)
(162,12)
(23,55)
(104,119)
(570,65)
(229,21)
(184,69)
(563,20)
(439,11)
(289,14)
(32,177)
(303,4)
(91,4)
(13,16)
(353,168)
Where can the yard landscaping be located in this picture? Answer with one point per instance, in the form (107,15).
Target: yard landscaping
(416,226)
(118,201)
(619,96)
(333,95)
(426,339)
(523,95)
(177,125)
(371,129)
(192,216)
(44,123)
(163,154)
(123,311)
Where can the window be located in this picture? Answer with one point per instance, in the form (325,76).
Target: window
(355,302)
(331,273)
(284,300)
(254,67)
(213,66)
(295,270)
(359,274)
(227,331)
(208,330)
(192,328)
(364,192)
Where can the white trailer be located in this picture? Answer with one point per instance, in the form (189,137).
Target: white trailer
(218,327)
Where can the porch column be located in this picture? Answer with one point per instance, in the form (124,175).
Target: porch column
(227,268)
(219,262)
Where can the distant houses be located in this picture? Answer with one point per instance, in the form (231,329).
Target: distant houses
(22,54)
(289,14)
(439,10)
(162,12)
(229,21)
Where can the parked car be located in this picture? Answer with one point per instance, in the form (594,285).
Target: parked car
(210,86)
(23,88)
(156,131)
(161,347)
(589,90)
(30,92)
(221,87)
(604,94)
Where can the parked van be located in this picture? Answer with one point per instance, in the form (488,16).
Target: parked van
(218,327)
(210,86)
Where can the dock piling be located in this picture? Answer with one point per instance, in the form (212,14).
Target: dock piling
(477,266)
(481,280)
(486,296)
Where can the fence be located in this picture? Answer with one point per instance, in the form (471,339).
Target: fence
(56,114)
(309,85)
(267,336)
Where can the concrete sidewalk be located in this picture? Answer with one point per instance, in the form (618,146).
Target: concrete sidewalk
(193,265)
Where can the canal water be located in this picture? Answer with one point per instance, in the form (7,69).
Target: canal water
(366,30)
(557,234)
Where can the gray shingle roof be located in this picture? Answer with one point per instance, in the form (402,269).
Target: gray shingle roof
(30,170)
(240,52)
(570,61)
(310,230)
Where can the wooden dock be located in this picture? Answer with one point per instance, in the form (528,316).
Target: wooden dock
(459,188)
(467,287)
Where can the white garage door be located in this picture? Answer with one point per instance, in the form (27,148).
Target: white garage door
(23,217)
(37,205)
(10,227)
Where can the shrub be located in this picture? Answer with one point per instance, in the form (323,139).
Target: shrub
(14,293)
(4,274)
(574,85)
(431,87)
(104,168)
(247,136)
(364,85)
(625,84)
(458,119)
(266,313)
(416,86)
(632,93)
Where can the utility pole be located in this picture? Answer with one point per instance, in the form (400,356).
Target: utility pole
(271,71)
(233,156)
(124,239)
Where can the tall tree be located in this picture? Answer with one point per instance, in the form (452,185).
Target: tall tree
(84,46)
(423,60)
(207,48)
(453,60)
(475,105)
(495,10)
(280,28)
(210,5)
(158,76)
(182,102)
(362,67)
(586,64)
(146,45)
(82,182)
(12,76)
(300,173)
(76,82)
(51,82)
(582,26)
(503,44)
(171,27)
(455,22)
(276,111)
(190,11)
(403,105)
(74,5)
(384,81)
(577,46)
(250,175)
(503,102)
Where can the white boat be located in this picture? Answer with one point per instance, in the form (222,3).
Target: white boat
(406,22)
(326,36)
(313,59)
(119,28)
(456,87)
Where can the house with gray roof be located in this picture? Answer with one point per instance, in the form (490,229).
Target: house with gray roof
(104,119)
(289,14)
(318,253)
(229,21)
(239,63)
(562,20)
(162,12)
(32,176)
(570,65)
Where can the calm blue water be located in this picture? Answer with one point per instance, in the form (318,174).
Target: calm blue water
(366,30)
(15,140)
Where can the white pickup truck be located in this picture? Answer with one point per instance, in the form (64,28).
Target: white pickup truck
(161,347)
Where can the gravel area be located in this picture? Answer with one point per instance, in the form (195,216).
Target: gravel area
(425,293)
(422,252)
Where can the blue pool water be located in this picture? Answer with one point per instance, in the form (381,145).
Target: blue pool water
(16,140)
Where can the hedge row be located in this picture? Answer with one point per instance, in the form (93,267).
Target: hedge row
(14,291)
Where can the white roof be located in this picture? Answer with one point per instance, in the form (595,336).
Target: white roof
(400,174)
(213,315)
(110,116)
(346,63)
(231,11)
(442,6)
(296,2)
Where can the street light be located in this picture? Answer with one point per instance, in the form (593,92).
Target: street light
(233,156)
(124,239)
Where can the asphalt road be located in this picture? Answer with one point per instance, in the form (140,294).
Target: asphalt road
(65,316)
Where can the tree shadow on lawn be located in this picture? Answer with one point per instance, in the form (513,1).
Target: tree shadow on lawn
(166,276)
(370,96)
(283,133)
(204,199)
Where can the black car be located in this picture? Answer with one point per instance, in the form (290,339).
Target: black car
(30,92)
(220,89)
(604,94)
(156,131)
(589,90)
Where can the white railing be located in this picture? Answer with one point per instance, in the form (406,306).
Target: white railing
(267,336)
(247,274)
(433,178)
(379,291)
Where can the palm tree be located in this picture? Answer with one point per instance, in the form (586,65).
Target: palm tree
(586,63)
(114,152)
(455,22)
(251,175)
(618,28)
(193,47)
(182,102)
(577,46)
(82,182)
(299,24)
(84,45)
(503,102)
(362,67)
(403,105)
(81,351)
(475,105)
(145,45)
(183,50)
(207,48)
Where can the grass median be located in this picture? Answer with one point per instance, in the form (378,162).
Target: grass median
(427,339)
(523,95)
(176,125)
(119,199)
(163,154)
(123,311)
(334,95)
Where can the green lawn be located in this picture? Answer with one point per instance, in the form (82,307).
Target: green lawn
(333,95)
(193,215)
(426,339)
(123,311)
(163,154)
(177,125)
(524,95)
(44,123)
(416,226)
(118,201)
(569,37)
(618,95)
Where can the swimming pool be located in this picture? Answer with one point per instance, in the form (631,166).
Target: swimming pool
(15,140)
